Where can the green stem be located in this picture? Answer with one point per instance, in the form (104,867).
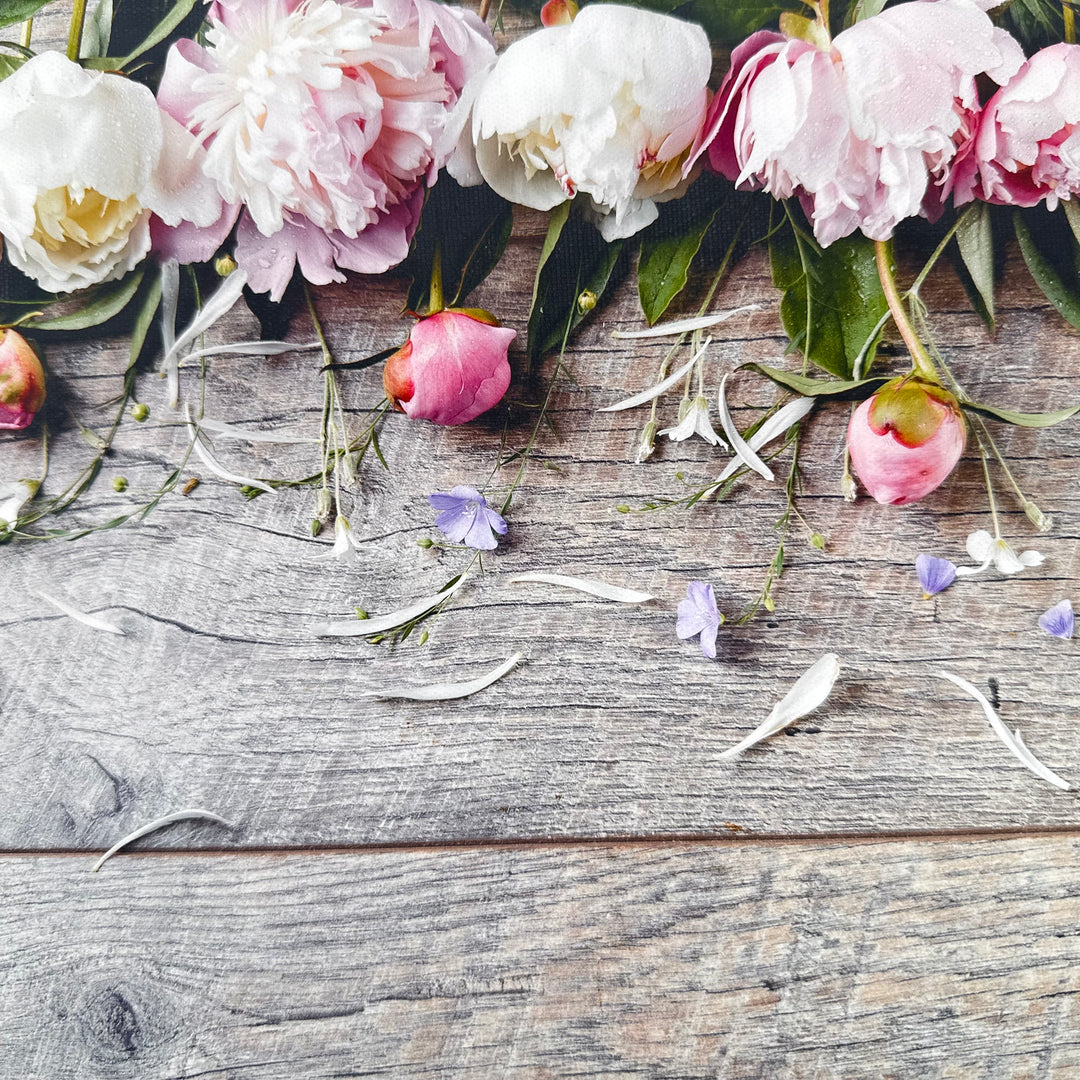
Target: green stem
(917,284)
(435,291)
(924,366)
(75,32)
(990,490)
(1070,23)
(28,32)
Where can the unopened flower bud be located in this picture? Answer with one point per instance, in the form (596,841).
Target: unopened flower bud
(324,504)
(906,439)
(140,412)
(648,442)
(224,265)
(558,12)
(1042,522)
(586,301)
(120,484)
(22,382)
(425,542)
(453,367)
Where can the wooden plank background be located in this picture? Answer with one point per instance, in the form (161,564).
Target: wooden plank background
(529,882)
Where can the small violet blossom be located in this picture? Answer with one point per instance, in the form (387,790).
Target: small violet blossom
(987,550)
(694,421)
(698,614)
(1059,621)
(464,517)
(935,574)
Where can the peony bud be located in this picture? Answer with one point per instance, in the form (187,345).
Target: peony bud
(558,12)
(22,382)
(452,368)
(905,440)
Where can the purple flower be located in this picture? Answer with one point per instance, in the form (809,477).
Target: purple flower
(465,518)
(698,614)
(934,574)
(1059,620)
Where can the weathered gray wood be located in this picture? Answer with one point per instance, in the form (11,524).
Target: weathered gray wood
(758,962)
(220,696)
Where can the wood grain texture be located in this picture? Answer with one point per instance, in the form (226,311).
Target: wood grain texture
(756,962)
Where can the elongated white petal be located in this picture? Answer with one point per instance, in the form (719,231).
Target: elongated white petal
(170,299)
(810,691)
(215,466)
(449,691)
(739,446)
(1011,739)
(160,823)
(660,388)
(684,326)
(586,585)
(94,621)
(771,429)
(232,431)
(219,304)
(381,623)
(251,348)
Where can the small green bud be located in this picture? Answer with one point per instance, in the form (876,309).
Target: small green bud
(1042,522)
(324,503)
(139,412)
(425,542)
(120,483)
(847,487)
(770,603)
(93,438)
(623,508)
(362,614)
(817,541)
(316,526)
(586,301)
(224,265)
(423,638)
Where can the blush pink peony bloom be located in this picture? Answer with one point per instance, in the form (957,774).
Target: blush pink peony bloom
(865,130)
(1025,148)
(322,120)
(22,382)
(905,440)
(452,368)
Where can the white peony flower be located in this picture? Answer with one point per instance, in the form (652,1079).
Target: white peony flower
(607,106)
(88,157)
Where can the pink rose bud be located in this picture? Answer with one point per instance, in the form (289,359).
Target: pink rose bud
(558,12)
(452,368)
(22,382)
(905,440)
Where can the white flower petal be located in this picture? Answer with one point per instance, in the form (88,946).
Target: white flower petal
(810,691)
(449,691)
(94,621)
(586,585)
(381,623)
(981,546)
(160,823)
(251,348)
(232,431)
(739,446)
(170,301)
(1006,560)
(1011,739)
(1031,558)
(695,422)
(219,303)
(660,388)
(771,429)
(13,497)
(684,326)
(215,466)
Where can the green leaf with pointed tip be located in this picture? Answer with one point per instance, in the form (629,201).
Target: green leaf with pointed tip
(100,305)
(144,319)
(727,22)
(141,26)
(15,11)
(1050,251)
(808,386)
(975,239)
(833,302)
(1022,419)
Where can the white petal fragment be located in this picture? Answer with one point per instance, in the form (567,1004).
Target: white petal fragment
(684,326)
(586,585)
(660,388)
(93,621)
(450,691)
(232,431)
(215,466)
(381,623)
(219,304)
(774,427)
(1011,739)
(160,823)
(740,447)
(170,300)
(810,691)
(252,348)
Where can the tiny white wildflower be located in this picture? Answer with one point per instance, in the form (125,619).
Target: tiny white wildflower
(695,422)
(346,545)
(988,550)
(14,495)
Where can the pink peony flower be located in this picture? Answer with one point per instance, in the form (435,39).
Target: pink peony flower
(322,120)
(1025,149)
(452,368)
(905,440)
(22,382)
(864,131)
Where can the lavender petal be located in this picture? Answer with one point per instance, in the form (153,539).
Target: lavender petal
(1059,620)
(934,574)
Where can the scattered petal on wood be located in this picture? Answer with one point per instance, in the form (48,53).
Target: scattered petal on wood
(170,300)
(811,690)
(160,823)
(739,446)
(251,348)
(450,691)
(772,428)
(220,427)
(660,388)
(79,616)
(586,585)
(1011,739)
(381,623)
(215,466)
(684,326)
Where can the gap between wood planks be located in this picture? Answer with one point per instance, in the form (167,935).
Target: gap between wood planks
(738,837)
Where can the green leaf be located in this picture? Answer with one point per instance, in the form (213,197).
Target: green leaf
(808,386)
(975,239)
(833,302)
(1050,251)
(727,22)
(100,305)
(144,319)
(15,11)
(665,261)
(142,25)
(10,64)
(1022,419)
(470,228)
(97,28)
(1035,23)
(575,260)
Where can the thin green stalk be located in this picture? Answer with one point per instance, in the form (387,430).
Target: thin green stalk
(917,284)
(28,32)
(924,366)
(75,31)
